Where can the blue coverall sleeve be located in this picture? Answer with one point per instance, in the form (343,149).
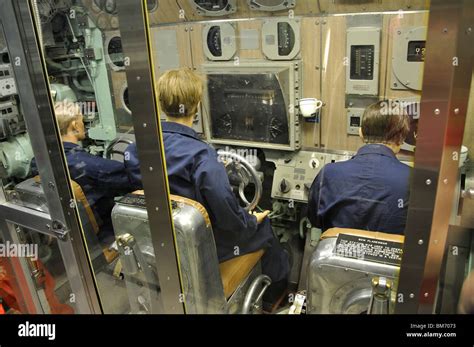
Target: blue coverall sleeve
(106,173)
(314,201)
(223,207)
(132,164)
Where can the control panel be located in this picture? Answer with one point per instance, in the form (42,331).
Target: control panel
(295,173)
(363,51)
(281,39)
(7,81)
(219,41)
(408,58)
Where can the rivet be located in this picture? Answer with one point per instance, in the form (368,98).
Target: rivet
(456,111)
(144,125)
(428,182)
(425,295)
(150,168)
(445,181)
(445,30)
(437,111)
(138,78)
(412,295)
(420,242)
(162,244)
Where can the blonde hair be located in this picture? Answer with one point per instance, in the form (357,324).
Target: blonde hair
(66,112)
(180,92)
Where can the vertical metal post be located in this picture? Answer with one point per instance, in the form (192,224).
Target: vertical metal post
(446,83)
(136,43)
(31,77)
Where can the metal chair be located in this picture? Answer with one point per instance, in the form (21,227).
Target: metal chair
(209,287)
(354,271)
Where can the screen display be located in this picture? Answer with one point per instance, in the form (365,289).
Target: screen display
(416,51)
(248,107)
(362,62)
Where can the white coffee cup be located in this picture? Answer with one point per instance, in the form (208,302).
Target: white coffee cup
(309,106)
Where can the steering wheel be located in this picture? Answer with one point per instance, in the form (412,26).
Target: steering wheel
(240,169)
(110,151)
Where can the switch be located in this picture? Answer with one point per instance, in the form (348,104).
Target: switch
(284,186)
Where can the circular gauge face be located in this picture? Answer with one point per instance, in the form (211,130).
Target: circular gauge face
(115,51)
(152,5)
(126,100)
(214,41)
(212,5)
(286,38)
(270,3)
(275,127)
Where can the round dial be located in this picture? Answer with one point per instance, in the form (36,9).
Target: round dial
(212,5)
(115,51)
(214,41)
(286,38)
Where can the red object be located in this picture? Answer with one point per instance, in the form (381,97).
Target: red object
(45,279)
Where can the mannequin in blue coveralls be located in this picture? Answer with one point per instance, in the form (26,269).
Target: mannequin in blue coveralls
(100,179)
(195,172)
(369,191)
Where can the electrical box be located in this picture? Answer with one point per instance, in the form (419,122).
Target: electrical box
(408,56)
(354,120)
(219,41)
(281,39)
(214,7)
(7,81)
(271,5)
(363,56)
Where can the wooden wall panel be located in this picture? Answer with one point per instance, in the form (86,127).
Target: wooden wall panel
(311,62)
(167,12)
(334,117)
(323,42)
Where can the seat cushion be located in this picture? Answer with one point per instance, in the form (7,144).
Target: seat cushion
(235,270)
(334,232)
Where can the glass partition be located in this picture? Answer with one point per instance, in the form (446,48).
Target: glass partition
(254,156)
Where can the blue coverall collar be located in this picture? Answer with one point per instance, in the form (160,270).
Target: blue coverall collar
(172,127)
(376,149)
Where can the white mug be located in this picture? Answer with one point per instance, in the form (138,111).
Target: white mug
(309,106)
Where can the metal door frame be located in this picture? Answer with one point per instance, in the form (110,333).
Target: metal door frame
(63,221)
(446,84)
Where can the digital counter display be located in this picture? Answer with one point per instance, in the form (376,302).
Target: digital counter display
(362,62)
(416,51)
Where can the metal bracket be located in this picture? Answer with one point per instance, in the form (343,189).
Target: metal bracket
(59,229)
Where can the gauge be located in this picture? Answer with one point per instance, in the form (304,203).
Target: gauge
(214,41)
(152,5)
(281,39)
(275,127)
(286,38)
(214,7)
(114,49)
(126,100)
(219,41)
(271,5)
